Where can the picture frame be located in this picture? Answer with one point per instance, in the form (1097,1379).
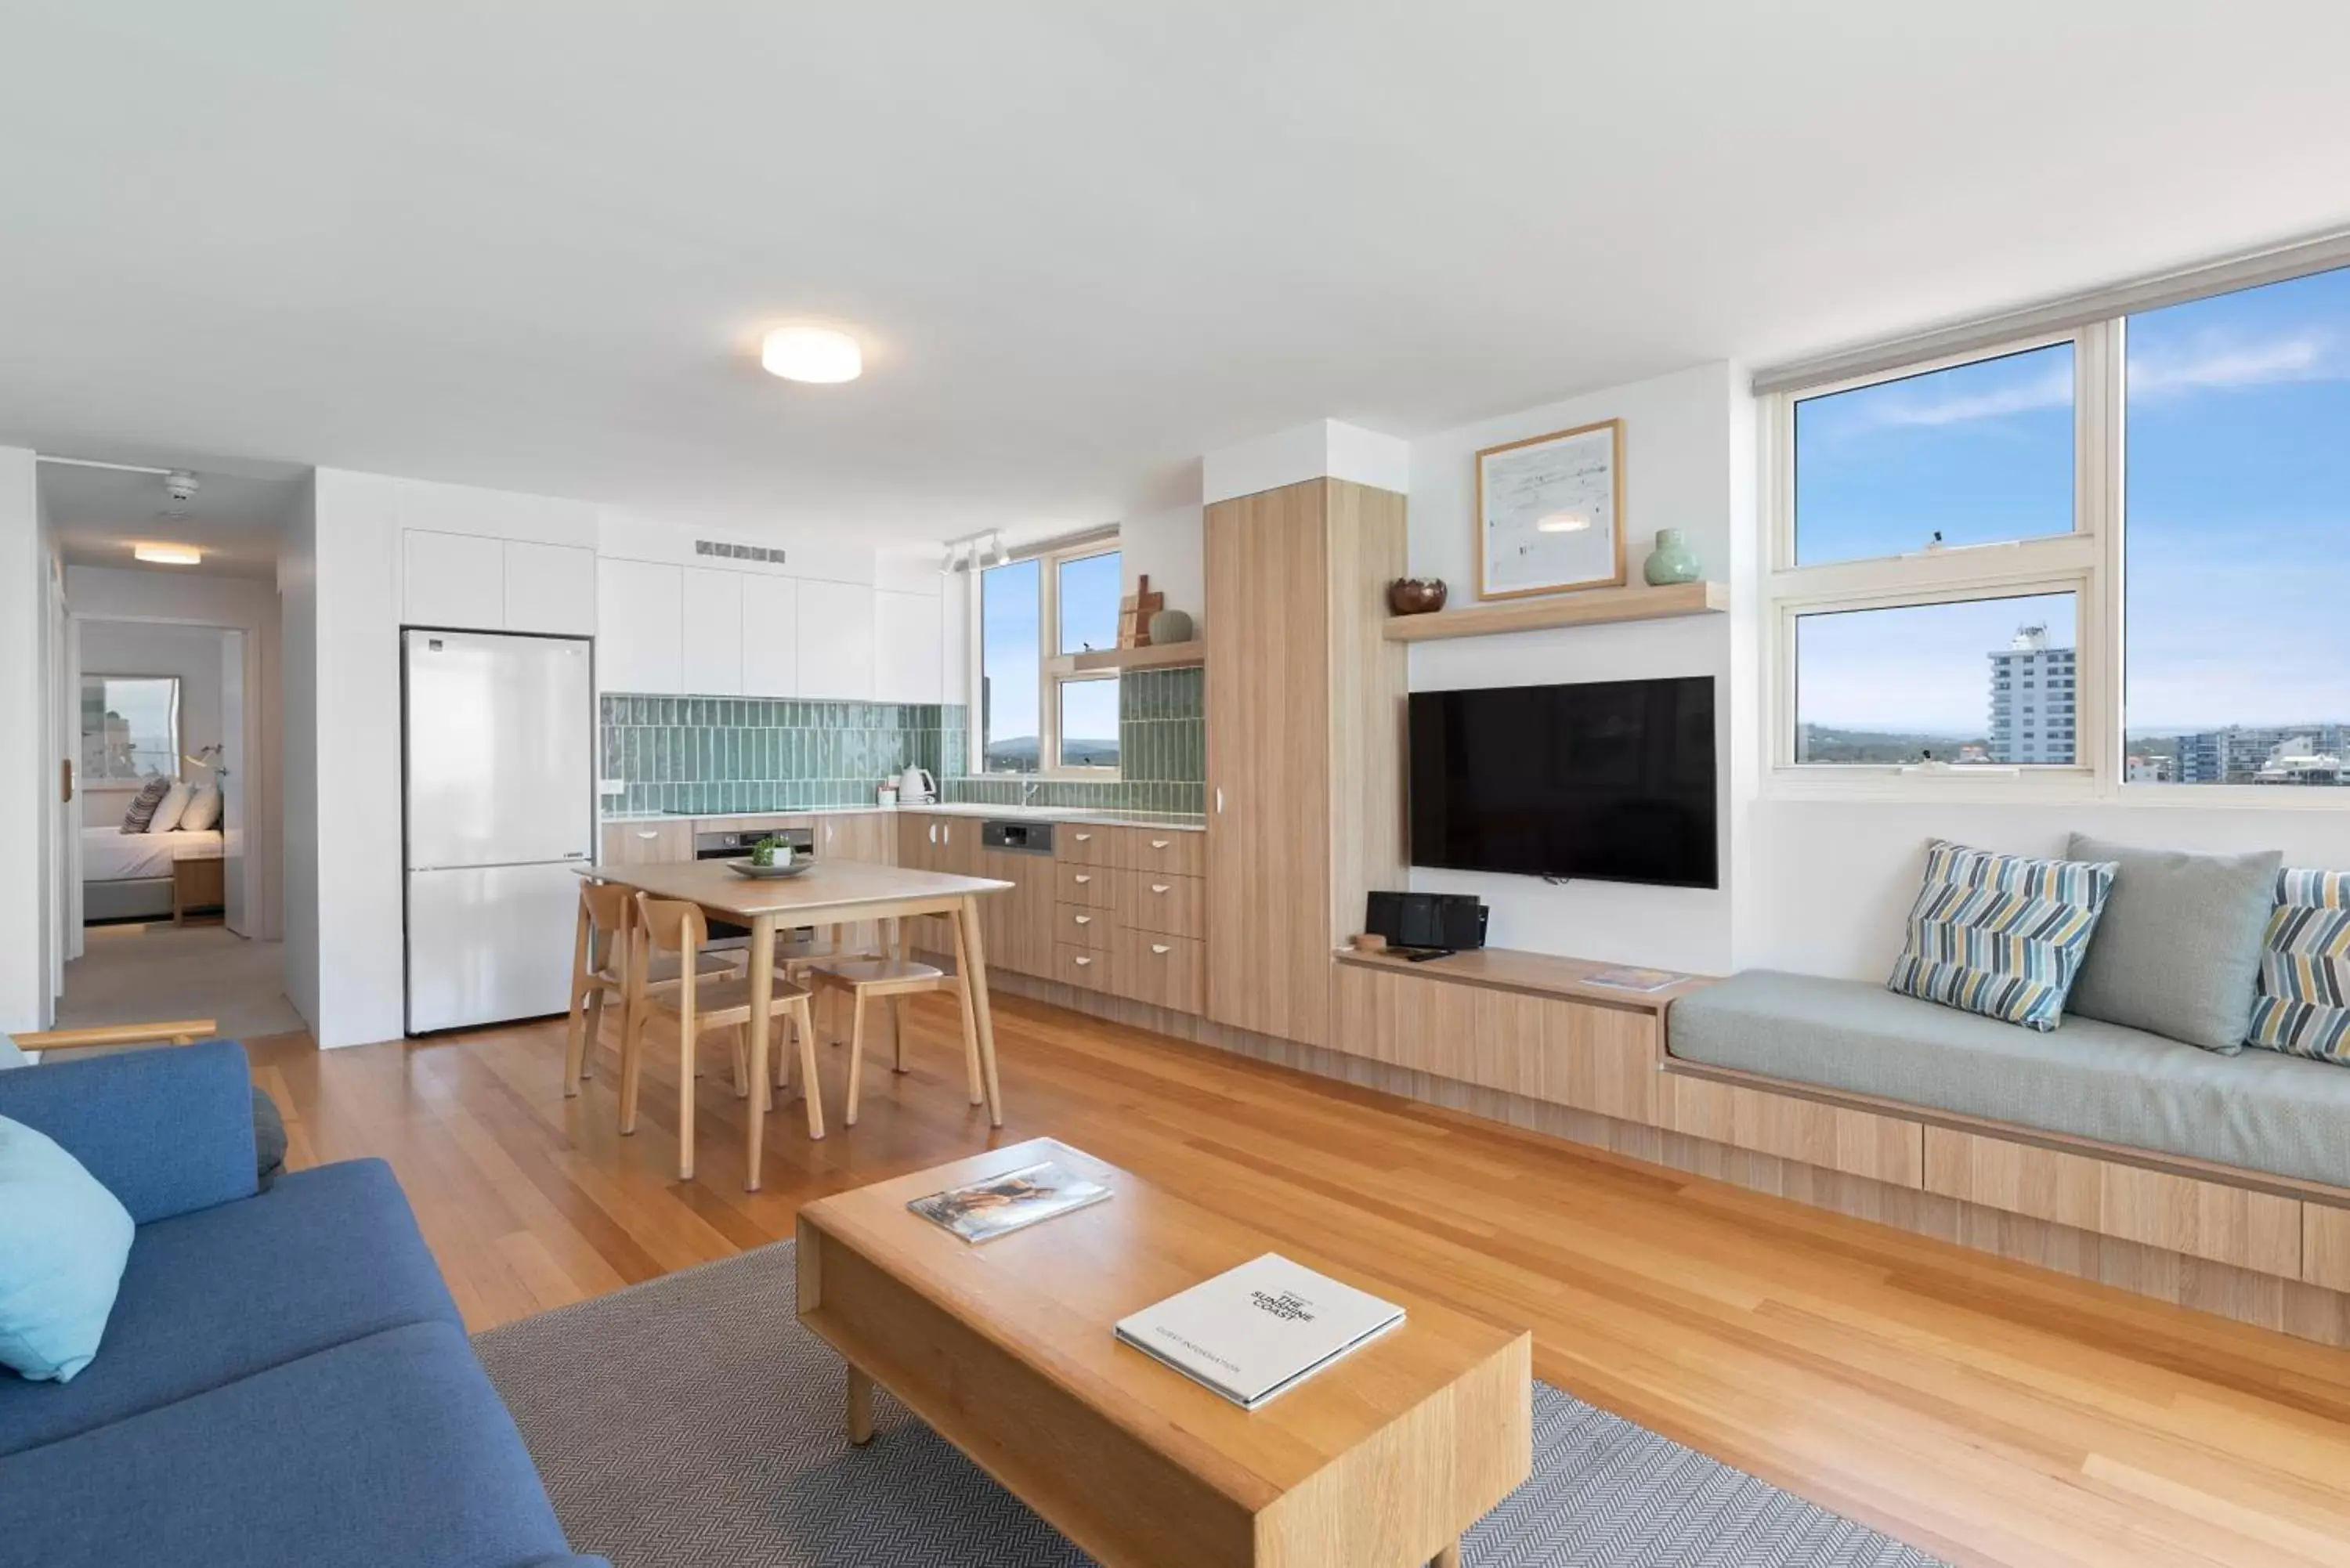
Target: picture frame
(1527,489)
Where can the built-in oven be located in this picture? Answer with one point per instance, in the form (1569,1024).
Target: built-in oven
(735,845)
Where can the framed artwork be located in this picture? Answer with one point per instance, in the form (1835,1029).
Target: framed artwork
(1550,512)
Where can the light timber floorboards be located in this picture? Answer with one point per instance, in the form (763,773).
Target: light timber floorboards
(1985,1410)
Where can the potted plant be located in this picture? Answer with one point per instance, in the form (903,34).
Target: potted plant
(763,853)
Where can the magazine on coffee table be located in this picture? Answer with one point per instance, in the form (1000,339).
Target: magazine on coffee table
(1643,979)
(1257,1331)
(983,1211)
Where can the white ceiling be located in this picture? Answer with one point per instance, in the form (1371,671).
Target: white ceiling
(235,517)
(532,244)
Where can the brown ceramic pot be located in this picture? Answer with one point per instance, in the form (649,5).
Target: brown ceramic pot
(1416,596)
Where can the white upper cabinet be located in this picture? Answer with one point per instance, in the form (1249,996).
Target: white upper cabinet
(641,626)
(836,640)
(455,580)
(550,588)
(771,636)
(910,647)
(712,655)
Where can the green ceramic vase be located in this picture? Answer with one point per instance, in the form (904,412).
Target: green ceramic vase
(1672,561)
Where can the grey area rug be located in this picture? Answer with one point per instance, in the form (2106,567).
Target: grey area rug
(691,1421)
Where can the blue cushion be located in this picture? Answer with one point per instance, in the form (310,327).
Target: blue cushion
(166,1131)
(391,1449)
(2002,935)
(63,1242)
(325,1257)
(2303,1007)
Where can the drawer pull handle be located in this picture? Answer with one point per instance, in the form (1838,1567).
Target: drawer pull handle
(1083,838)
(1083,919)
(1082,961)
(649,832)
(1159,886)
(1158,947)
(1083,881)
(1160,843)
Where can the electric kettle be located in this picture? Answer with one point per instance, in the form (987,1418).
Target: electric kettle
(917,787)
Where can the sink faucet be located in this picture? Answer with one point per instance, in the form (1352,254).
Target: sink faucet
(1028,793)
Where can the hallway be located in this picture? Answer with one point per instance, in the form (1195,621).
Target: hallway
(140,973)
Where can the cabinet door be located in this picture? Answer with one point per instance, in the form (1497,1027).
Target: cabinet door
(712,640)
(550,588)
(1268,851)
(836,640)
(639,627)
(908,652)
(771,636)
(455,580)
(1018,924)
(641,843)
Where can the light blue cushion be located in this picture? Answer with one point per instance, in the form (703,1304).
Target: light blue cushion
(63,1242)
(2002,935)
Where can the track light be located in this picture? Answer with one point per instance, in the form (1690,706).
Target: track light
(1002,556)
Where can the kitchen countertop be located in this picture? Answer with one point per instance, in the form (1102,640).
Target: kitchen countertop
(1181,822)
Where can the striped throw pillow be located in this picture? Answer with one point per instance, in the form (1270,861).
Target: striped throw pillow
(141,816)
(2303,1005)
(2002,935)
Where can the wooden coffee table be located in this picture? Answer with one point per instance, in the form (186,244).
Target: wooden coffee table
(1005,1350)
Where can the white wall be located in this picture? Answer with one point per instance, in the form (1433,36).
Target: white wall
(1170,547)
(297,599)
(1688,464)
(113,595)
(25,891)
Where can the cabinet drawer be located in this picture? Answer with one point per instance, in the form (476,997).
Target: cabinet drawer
(1860,1143)
(1164,901)
(642,843)
(1095,886)
(1163,971)
(1077,926)
(1084,844)
(1087,968)
(1161,849)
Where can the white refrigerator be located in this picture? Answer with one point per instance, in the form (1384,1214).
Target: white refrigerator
(498,737)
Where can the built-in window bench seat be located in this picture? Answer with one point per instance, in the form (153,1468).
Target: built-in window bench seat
(2243,1159)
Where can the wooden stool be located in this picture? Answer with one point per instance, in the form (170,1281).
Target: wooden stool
(893,978)
(672,926)
(600,967)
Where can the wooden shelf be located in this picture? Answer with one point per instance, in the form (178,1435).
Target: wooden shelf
(1590,606)
(1159,656)
(1529,974)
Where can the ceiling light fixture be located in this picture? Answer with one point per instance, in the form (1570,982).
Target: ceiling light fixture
(953,563)
(811,354)
(1562,522)
(168,554)
(1003,556)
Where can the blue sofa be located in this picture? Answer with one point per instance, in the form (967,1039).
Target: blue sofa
(284,1380)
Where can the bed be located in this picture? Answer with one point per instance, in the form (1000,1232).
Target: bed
(128,876)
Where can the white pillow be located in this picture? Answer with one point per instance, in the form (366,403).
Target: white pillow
(173,805)
(203,809)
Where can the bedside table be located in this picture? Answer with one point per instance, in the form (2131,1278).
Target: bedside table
(197,884)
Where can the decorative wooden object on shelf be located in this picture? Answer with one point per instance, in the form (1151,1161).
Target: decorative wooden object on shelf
(1156,655)
(1134,613)
(1592,606)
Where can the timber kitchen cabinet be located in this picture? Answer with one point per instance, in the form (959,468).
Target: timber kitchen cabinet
(1304,723)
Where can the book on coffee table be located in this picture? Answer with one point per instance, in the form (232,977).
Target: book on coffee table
(1627,978)
(985,1209)
(1257,1331)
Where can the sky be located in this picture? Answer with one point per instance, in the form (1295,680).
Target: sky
(1011,603)
(2237,531)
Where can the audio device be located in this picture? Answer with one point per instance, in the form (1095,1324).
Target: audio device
(1451,921)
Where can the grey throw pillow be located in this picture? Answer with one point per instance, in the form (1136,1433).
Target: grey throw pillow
(2179,950)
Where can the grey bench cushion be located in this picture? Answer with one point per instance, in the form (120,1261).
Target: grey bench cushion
(2281,1114)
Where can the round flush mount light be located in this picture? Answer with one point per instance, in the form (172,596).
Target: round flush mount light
(811,354)
(168,554)
(1562,522)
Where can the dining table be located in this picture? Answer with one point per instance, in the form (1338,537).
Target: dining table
(828,893)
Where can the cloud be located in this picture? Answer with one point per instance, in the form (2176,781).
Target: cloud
(2221,364)
(2051,389)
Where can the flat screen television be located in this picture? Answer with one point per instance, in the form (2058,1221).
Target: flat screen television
(1606,780)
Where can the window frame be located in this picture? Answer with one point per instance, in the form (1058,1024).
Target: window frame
(2087,562)
(1054,669)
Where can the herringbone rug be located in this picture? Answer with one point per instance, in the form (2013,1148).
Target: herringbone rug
(690,1421)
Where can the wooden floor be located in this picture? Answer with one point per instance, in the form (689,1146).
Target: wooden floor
(1984,1411)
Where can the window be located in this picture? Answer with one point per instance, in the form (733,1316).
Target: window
(2114,555)
(1036,712)
(130,727)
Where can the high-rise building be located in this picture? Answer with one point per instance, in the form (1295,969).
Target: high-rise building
(2239,754)
(2031,699)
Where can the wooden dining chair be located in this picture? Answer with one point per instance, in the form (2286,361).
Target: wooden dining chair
(600,947)
(673,927)
(892,978)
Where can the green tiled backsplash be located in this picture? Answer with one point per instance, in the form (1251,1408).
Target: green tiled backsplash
(1162,755)
(739,754)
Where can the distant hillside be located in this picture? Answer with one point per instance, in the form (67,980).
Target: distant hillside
(1819,743)
(1017,754)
